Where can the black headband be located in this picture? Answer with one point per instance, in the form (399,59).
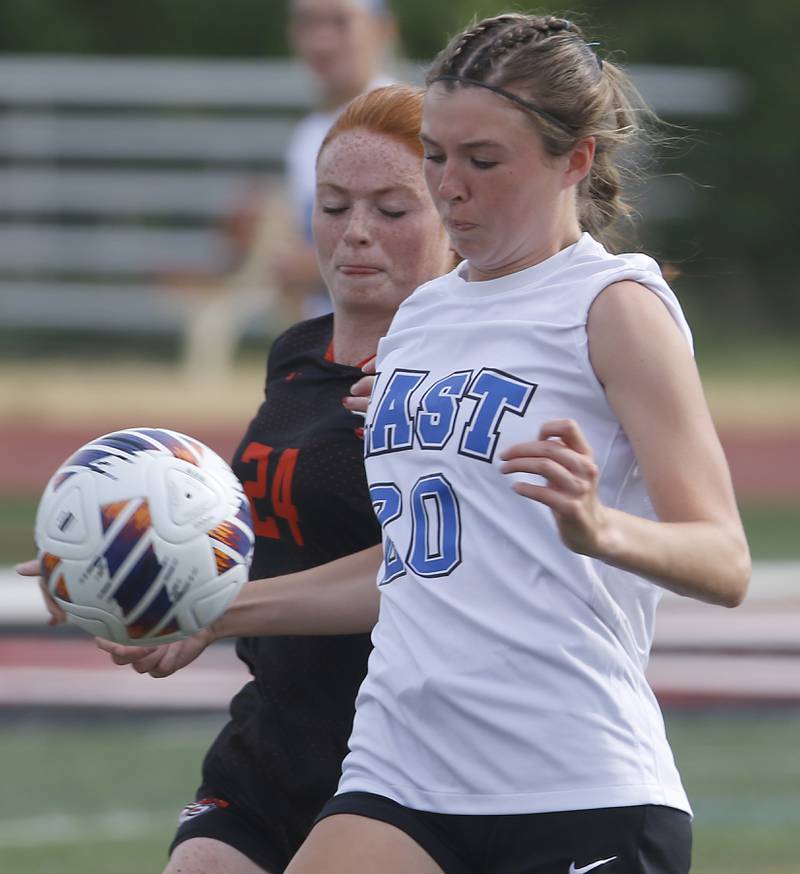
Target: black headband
(525,104)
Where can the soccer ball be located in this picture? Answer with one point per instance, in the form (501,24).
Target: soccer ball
(144,536)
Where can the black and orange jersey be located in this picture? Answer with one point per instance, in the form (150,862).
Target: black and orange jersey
(301,463)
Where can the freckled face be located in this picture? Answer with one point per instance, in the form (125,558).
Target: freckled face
(377,233)
(500,195)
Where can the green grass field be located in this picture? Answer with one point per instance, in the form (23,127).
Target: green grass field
(16,527)
(742,773)
(102,797)
(95,797)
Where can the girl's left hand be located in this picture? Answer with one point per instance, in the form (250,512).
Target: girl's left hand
(358,400)
(564,459)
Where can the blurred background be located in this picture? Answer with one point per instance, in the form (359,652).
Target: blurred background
(145,221)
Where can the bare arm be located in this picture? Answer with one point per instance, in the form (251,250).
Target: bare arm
(339,597)
(335,598)
(698,547)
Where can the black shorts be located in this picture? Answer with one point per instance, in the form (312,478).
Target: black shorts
(648,839)
(218,819)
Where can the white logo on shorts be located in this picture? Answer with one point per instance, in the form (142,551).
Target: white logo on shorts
(590,866)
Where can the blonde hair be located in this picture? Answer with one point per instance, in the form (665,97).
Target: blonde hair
(572,94)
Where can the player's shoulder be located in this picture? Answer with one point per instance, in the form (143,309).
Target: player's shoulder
(589,258)
(308,135)
(626,291)
(418,302)
(309,337)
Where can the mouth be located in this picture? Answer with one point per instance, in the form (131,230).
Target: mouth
(460,226)
(358,269)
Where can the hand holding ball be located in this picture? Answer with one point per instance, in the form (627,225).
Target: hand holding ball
(144,536)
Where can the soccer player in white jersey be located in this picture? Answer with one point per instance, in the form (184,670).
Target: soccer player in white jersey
(543,463)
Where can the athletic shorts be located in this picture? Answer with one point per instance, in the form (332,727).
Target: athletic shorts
(648,839)
(218,819)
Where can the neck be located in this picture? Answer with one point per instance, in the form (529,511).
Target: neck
(558,240)
(337,97)
(356,335)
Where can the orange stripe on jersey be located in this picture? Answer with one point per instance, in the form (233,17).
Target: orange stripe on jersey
(362,364)
(329,356)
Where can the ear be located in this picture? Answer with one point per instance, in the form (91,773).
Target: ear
(580,161)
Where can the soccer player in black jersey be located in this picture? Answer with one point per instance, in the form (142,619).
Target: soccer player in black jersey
(277,760)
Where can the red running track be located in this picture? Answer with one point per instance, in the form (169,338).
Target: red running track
(765,464)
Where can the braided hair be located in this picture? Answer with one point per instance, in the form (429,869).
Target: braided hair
(546,58)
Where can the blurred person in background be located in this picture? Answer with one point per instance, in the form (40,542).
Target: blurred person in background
(278,759)
(348,46)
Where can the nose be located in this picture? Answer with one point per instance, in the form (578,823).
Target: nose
(451,186)
(358,231)
(323,39)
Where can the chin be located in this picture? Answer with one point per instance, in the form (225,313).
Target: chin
(356,298)
(474,254)
(468,242)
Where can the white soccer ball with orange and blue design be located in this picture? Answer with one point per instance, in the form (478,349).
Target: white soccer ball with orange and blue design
(144,536)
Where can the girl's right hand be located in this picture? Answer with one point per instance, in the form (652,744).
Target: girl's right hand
(32,568)
(158,661)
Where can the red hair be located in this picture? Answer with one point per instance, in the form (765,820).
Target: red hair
(394,111)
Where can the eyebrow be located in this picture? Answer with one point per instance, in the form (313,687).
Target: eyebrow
(472,144)
(380,191)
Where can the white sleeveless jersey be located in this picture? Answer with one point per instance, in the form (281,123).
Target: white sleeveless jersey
(508,671)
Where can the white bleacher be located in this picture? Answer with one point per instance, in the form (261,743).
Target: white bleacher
(114,171)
